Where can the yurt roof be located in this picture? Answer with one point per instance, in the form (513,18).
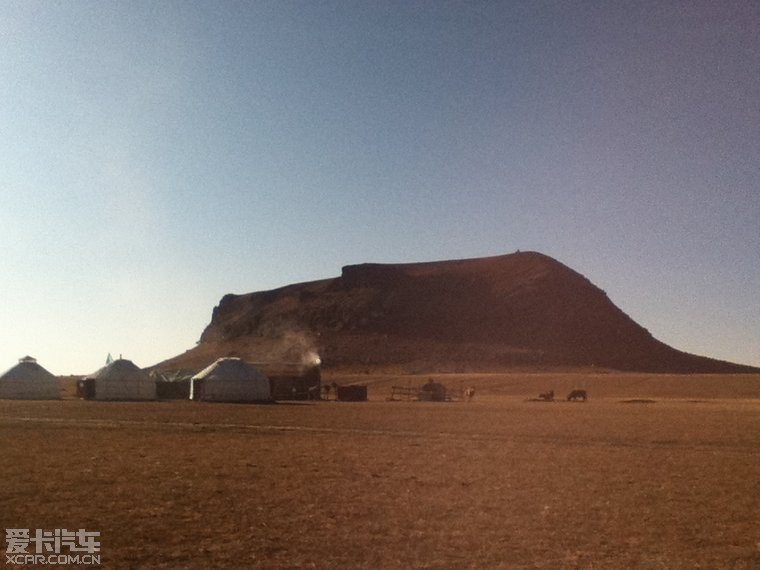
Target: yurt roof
(230,369)
(26,369)
(119,370)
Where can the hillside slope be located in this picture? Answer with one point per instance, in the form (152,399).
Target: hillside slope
(517,310)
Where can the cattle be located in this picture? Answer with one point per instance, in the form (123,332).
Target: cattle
(469,393)
(577,395)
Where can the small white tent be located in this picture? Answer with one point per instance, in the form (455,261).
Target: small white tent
(230,380)
(122,380)
(29,381)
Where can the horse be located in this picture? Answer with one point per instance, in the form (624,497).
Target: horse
(577,395)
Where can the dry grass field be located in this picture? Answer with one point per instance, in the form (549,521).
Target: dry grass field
(495,483)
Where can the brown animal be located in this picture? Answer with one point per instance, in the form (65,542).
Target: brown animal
(577,395)
(469,393)
(547,396)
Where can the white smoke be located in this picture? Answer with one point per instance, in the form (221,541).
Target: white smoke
(297,346)
(311,358)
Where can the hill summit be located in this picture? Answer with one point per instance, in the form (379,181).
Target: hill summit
(495,313)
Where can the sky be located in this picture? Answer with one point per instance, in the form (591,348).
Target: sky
(155,156)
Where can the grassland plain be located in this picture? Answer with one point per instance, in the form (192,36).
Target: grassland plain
(495,483)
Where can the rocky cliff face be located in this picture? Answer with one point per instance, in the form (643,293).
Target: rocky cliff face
(523,309)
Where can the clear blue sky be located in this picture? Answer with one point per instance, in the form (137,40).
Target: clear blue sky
(157,155)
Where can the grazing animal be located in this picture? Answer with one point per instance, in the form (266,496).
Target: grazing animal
(547,396)
(577,395)
(469,393)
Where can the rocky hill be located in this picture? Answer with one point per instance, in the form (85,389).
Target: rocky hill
(496,313)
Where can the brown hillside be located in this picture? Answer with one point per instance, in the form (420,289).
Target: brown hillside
(523,309)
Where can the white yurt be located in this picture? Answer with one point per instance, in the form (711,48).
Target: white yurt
(29,381)
(122,380)
(230,380)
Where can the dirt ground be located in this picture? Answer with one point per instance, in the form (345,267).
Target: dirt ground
(498,482)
